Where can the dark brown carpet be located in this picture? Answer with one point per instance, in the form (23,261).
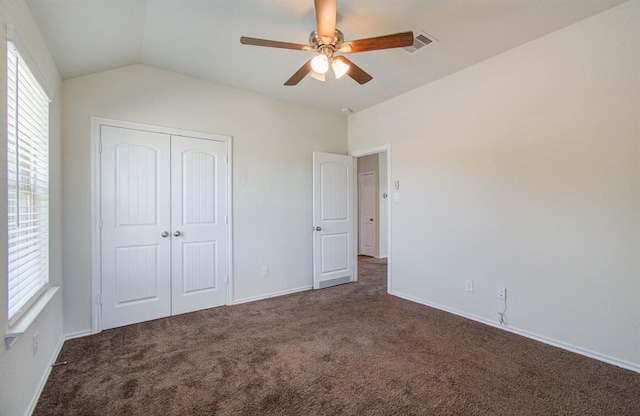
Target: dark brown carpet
(350,350)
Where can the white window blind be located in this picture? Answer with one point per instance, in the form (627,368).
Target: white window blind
(28,185)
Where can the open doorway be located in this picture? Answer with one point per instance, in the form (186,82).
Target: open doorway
(373,211)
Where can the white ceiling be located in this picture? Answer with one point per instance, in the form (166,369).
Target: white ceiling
(200,38)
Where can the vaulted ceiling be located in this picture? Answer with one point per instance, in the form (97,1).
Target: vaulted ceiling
(200,38)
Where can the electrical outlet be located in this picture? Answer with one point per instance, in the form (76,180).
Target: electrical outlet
(468,285)
(35,344)
(265,271)
(502,293)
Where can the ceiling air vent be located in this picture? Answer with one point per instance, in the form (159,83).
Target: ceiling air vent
(420,41)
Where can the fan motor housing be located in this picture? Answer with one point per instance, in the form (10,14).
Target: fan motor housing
(316,42)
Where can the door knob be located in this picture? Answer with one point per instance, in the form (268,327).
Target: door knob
(177,234)
(165,234)
(370,219)
(318,228)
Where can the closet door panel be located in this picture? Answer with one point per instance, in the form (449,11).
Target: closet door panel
(199,224)
(135,211)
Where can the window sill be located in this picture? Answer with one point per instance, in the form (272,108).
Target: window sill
(27,319)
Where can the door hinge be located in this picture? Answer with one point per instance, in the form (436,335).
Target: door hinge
(226,219)
(99,299)
(100,223)
(100,146)
(226,160)
(226,279)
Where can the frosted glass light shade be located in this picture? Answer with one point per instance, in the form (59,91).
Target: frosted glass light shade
(319,77)
(339,68)
(320,64)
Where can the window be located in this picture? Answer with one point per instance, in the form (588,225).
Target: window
(28,185)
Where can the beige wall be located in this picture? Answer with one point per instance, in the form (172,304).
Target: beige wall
(273,143)
(22,373)
(523,172)
(368,164)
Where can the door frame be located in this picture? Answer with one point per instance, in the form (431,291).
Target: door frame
(366,152)
(96,247)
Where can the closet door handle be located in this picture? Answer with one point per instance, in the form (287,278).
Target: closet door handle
(164,234)
(177,234)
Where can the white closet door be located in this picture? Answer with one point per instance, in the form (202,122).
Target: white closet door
(199,224)
(135,213)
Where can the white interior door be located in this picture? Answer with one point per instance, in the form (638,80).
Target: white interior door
(368,223)
(199,224)
(334,225)
(136,247)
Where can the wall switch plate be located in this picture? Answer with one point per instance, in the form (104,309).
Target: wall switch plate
(265,271)
(502,293)
(468,285)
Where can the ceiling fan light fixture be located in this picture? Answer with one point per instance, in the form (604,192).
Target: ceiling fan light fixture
(319,77)
(326,40)
(339,68)
(320,64)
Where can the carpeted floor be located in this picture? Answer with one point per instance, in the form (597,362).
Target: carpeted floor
(351,350)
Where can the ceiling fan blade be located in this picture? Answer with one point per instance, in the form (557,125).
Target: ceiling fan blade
(355,71)
(300,73)
(397,40)
(326,12)
(274,44)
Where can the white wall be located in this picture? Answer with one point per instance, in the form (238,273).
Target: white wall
(273,143)
(523,172)
(22,374)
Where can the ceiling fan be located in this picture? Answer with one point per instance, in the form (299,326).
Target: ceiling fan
(326,41)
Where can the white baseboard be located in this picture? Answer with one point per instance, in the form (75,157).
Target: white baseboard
(43,381)
(541,338)
(271,295)
(78,334)
(45,377)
